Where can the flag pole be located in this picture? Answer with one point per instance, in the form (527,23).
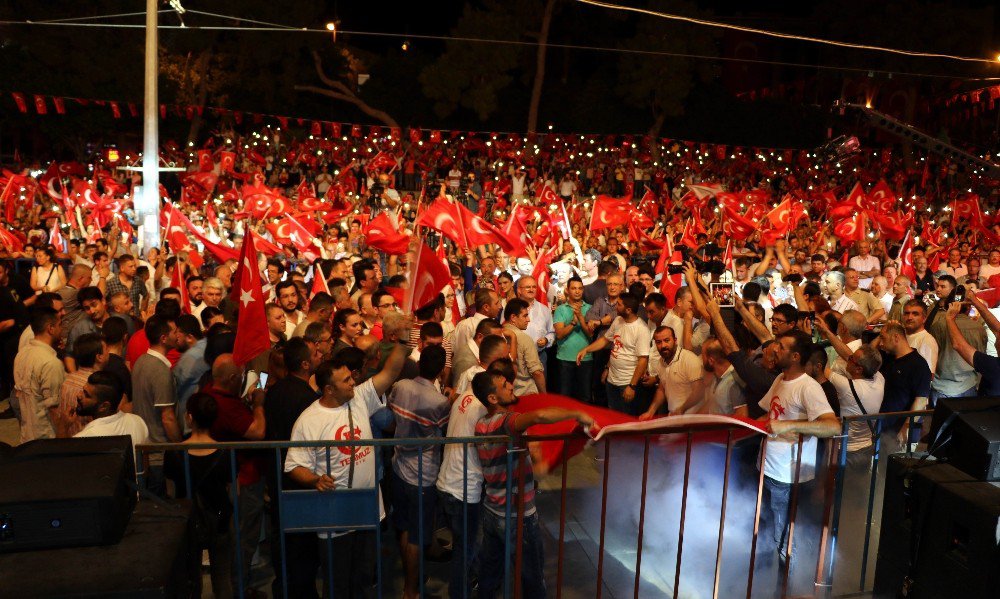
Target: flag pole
(148,205)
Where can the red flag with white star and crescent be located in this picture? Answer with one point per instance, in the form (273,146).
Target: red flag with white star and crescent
(251,329)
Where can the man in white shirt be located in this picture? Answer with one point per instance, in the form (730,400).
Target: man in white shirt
(487,306)
(461,502)
(680,375)
(343,413)
(628,338)
(99,400)
(540,327)
(880,290)
(834,284)
(287,296)
(868,266)
(919,338)
(796,404)
(992,267)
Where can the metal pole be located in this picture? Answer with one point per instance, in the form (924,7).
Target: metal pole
(147,205)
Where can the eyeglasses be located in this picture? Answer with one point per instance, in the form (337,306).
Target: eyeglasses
(778,320)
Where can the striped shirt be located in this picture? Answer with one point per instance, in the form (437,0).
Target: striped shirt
(493,458)
(420,412)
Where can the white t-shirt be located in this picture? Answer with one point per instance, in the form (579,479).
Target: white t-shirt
(986,271)
(870,391)
(801,398)
(319,423)
(679,378)
(464,382)
(926,346)
(629,342)
(461,460)
(120,423)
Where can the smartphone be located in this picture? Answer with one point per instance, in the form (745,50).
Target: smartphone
(250,381)
(262,381)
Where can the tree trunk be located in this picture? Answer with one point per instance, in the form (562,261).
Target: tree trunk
(536,89)
(202,97)
(654,134)
(338,91)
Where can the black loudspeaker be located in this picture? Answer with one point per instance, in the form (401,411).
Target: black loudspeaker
(66,492)
(967,431)
(945,523)
(911,487)
(959,550)
(150,561)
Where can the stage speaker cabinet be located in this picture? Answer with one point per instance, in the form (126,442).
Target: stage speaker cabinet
(66,492)
(959,551)
(911,486)
(971,439)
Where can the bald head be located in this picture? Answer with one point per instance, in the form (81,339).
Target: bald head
(226,375)
(80,276)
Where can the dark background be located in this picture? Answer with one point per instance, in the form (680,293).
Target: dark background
(487,87)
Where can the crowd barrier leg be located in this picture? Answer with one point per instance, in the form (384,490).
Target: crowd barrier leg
(684,498)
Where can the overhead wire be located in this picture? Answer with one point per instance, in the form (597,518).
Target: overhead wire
(790,36)
(269,27)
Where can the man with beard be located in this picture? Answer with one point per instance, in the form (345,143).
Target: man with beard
(287,296)
(99,400)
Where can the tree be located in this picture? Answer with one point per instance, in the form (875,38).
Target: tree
(347,90)
(660,84)
(474,75)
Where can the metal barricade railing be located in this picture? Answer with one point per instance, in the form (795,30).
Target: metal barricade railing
(682,436)
(338,509)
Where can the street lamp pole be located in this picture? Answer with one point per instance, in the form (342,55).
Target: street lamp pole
(147,205)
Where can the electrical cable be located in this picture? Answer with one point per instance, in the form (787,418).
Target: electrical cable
(278,28)
(777,34)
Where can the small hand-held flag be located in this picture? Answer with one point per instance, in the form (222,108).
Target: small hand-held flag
(251,329)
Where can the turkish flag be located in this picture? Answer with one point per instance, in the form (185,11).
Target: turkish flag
(646,243)
(892,225)
(735,225)
(688,236)
(179,224)
(546,196)
(543,274)
(857,198)
(430,276)
(227,161)
(22,104)
(382,235)
(786,215)
(727,258)
(906,257)
(882,199)
(205,162)
(967,208)
(266,247)
(10,241)
(300,237)
(40,106)
(251,329)
(610,212)
(57,241)
(177,282)
(851,229)
(442,215)
(479,231)
(318,282)
(516,232)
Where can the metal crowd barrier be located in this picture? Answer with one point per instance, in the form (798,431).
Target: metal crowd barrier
(340,510)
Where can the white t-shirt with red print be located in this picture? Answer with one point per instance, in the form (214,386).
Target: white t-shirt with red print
(319,423)
(801,398)
(629,342)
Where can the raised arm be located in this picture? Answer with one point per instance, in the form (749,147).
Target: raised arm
(838,344)
(384,378)
(750,322)
(957,339)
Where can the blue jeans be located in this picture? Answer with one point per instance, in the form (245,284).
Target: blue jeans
(617,402)
(778,496)
(491,556)
(463,520)
(936,395)
(575,381)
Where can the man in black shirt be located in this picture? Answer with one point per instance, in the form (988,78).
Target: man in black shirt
(907,378)
(285,401)
(13,319)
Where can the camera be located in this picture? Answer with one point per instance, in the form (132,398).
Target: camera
(957,295)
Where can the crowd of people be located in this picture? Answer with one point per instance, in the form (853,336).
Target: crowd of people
(101,337)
